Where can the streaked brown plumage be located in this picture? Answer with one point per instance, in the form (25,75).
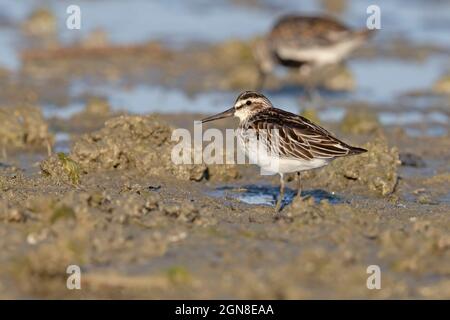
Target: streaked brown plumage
(307,31)
(290,143)
(306,43)
(299,137)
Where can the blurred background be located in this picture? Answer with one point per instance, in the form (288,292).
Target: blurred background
(194,56)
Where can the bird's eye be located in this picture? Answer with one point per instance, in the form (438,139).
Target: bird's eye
(248,102)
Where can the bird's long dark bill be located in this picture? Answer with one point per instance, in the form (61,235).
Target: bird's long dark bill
(225,114)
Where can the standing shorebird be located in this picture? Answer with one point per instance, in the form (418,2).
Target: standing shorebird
(307,43)
(286,142)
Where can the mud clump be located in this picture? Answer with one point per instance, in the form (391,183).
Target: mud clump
(227,66)
(360,122)
(138,203)
(96,112)
(141,142)
(98,38)
(225,172)
(97,106)
(339,79)
(376,169)
(24,127)
(41,22)
(10,213)
(40,29)
(307,211)
(442,86)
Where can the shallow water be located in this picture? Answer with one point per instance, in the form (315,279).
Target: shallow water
(62,142)
(268,195)
(383,80)
(202,20)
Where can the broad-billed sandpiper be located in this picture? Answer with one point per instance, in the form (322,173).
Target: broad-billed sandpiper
(306,43)
(286,142)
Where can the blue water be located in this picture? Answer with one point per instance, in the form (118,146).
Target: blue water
(140,20)
(268,195)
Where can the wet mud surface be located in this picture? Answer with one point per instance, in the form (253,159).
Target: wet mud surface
(141,229)
(96,186)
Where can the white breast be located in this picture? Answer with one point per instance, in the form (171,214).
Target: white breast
(320,55)
(270,162)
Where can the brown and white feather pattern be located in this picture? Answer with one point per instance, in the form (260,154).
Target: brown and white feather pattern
(304,31)
(296,40)
(298,137)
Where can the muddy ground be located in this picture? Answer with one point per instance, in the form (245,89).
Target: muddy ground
(113,203)
(139,228)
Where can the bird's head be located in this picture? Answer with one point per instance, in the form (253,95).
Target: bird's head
(246,104)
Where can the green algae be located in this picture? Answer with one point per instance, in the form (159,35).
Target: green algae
(61,167)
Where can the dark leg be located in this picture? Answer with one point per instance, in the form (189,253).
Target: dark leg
(299,185)
(311,93)
(281,196)
(310,74)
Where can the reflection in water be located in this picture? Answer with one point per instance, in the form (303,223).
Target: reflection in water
(62,142)
(267,195)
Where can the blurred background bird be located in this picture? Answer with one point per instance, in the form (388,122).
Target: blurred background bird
(309,44)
